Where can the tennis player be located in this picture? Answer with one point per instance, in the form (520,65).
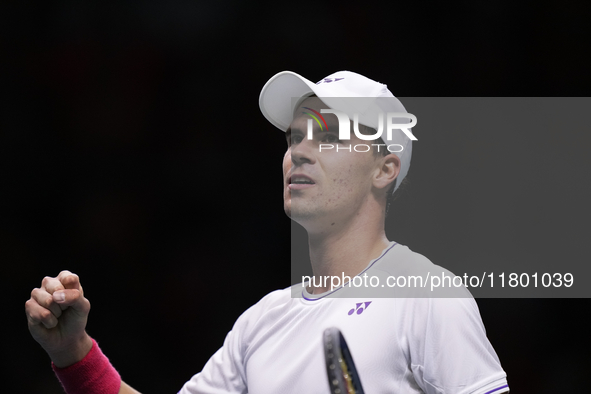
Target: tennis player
(338,186)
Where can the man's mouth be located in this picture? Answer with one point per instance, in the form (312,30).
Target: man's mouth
(299,181)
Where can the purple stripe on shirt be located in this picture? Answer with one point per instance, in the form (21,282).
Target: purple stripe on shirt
(498,388)
(339,288)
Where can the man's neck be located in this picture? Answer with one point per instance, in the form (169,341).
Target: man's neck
(345,251)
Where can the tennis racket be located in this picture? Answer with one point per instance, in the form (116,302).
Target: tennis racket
(342,374)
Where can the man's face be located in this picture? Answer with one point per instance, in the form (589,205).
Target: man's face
(327,186)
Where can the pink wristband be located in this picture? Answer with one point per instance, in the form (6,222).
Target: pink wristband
(94,374)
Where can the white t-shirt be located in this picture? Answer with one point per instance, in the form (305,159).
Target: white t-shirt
(399,345)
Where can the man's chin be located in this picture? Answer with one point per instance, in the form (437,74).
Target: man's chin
(299,216)
(295,213)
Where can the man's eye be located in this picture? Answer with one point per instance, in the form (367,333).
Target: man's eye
(330,138)
(296,139)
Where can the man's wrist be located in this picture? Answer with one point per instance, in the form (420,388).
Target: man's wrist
(73,353)
(93,374)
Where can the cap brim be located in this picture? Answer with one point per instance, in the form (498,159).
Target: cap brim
(276,99)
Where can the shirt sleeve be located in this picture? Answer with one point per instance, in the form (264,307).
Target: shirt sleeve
(224,372)
(449,350)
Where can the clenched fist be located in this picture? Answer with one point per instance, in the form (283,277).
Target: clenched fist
(57,314)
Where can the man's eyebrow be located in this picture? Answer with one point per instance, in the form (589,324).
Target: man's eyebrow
(289,130)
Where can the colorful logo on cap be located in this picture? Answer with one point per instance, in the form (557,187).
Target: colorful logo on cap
(315,118)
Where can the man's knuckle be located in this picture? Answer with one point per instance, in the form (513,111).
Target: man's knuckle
(45,315)
(71,278)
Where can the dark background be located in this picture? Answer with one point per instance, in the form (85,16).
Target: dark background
(133,152)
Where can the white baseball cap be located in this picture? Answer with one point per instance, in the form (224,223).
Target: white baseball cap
(283,93)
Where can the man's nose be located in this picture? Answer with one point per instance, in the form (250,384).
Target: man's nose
(303,152)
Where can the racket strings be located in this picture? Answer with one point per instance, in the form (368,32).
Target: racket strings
(347,376)
(345,370)
(340,367)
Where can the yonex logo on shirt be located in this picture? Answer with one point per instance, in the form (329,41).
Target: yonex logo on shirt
(359,308)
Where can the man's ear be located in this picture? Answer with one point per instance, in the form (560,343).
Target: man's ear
(387,172)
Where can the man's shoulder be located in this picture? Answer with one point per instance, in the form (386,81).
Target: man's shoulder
(401,259)
(419,276)
(272,302)
(275,298)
